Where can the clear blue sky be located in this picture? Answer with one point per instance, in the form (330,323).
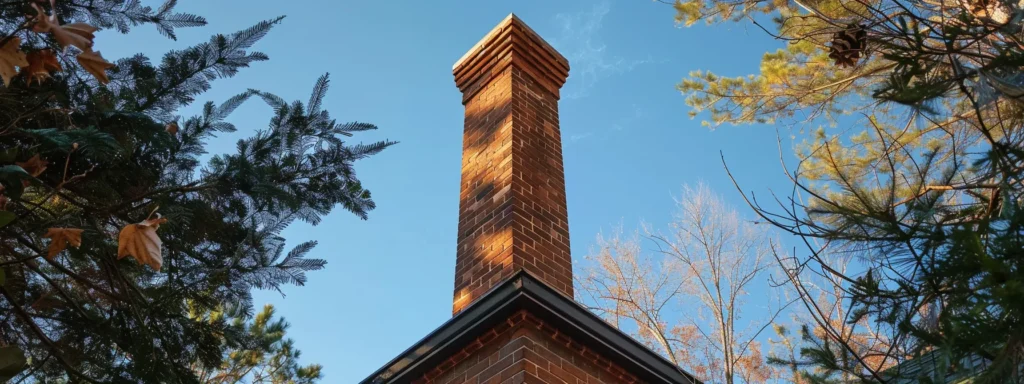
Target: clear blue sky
(628,143)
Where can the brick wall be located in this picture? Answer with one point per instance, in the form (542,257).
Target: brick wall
(512,205)
(525,350)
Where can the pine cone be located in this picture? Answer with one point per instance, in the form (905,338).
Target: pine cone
(992,11)
(847,45)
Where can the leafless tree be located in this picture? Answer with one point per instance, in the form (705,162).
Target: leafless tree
(685,296)
(825,315)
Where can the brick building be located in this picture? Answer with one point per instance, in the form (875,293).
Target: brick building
(514,319)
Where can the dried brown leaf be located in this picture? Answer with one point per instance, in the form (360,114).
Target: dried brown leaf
(141,242)
(60,238)
(94,63)
(40,64)
(79,35)
(47,301)
(33,166)
(172,128)
(11,56)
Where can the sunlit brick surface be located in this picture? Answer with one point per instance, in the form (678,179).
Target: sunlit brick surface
(512,210)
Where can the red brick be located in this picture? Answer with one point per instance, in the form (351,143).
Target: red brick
(529,354)
(513,214)
(512,208)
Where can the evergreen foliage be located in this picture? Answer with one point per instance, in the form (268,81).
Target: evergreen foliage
(915,174)
(266,357)
(117,154)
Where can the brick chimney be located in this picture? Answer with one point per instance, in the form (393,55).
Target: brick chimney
(514,317)
(512,210)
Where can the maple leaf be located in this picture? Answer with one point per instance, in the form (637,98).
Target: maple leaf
(11,56)
(79,35)
(94,63)
(60,238)
(40,64)
(141,242)
(172,128)
(33,166)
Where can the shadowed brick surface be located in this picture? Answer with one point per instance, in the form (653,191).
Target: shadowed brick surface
(512,209)
(513,241)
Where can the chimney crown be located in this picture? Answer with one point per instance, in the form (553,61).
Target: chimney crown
(511,42)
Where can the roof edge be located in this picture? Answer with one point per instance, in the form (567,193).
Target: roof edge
(525,291)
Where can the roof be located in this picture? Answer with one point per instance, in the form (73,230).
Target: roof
(524,291)
(934,363)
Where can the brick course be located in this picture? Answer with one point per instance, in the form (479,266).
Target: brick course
(512,204)
(524,349)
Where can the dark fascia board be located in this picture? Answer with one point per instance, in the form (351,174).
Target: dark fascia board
(524,291)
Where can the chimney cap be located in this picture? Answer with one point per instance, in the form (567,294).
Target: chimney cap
(505,23)
(511,38)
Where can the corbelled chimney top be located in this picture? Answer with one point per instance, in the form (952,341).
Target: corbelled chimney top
(512,210)
(511,37)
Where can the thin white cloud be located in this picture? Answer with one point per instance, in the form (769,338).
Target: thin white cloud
(628,121)
(575,138)
(580,42)
(637,115)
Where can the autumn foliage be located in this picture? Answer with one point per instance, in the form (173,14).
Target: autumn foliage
(906,118)
(688,294)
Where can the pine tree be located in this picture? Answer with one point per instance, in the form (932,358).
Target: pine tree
(114,234)
(916,173)
(267,357)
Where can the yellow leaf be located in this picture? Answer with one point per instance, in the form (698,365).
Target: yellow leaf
(40,64)
(141,242)
(94,63)
(77,34)
(11,56)
(60,238)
